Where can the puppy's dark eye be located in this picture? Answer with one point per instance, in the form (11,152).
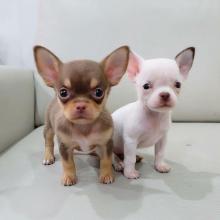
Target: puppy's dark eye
(64,93)
(146,86)
(178,85)
(98,93)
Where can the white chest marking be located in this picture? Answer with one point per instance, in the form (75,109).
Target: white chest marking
(152,132)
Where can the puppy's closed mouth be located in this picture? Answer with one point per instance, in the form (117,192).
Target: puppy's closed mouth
(162,107)
(81,117)
(83,114)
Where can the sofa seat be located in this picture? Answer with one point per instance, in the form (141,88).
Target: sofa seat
(29,190)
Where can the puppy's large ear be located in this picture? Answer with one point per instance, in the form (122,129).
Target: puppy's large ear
(184,60)
(115,64)
(48,65)
(134,65)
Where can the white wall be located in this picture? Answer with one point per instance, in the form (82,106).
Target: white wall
(18,25)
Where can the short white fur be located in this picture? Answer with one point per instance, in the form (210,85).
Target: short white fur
(145,123)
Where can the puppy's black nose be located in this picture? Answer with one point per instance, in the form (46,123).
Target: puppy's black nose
(165,96)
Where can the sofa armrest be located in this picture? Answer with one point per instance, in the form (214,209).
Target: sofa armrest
(16,105)
(43,96)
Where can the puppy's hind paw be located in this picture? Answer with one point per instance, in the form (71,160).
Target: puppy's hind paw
(139,158)
(118,166)
(162,168)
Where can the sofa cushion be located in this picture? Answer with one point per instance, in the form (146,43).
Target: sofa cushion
(43,95)
(29,190)
(16,105)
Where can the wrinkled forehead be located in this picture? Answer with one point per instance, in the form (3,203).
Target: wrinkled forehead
(159,70)
(83,75)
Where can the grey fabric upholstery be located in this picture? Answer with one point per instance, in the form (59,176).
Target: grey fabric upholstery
(16,105)
(44,95)
(31,191)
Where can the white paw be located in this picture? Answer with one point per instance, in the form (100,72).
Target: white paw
(162,168)
(118,166)
(131,174)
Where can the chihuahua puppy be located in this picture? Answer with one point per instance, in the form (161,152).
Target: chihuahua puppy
(77,115)
(146,122)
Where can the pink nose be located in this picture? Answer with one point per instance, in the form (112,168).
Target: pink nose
(165,96)
(80,107)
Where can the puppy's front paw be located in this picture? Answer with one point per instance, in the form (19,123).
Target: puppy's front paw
(162,167)
(131,174)
(69,180)
(106,178)
(48,159)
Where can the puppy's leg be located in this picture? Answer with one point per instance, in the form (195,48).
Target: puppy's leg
(159,163)
(49,145)
(117,163)
(130,146)
(69,170)
(106,175)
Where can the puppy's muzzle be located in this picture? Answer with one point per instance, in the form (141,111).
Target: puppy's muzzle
(165,96)
(81,107)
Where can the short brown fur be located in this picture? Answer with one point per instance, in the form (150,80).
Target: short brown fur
(94,130)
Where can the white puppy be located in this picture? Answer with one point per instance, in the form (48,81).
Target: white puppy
(145,122)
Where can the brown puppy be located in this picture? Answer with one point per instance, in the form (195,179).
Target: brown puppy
(77,115)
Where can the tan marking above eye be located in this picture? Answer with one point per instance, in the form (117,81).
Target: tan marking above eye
(93,83)
(67,83)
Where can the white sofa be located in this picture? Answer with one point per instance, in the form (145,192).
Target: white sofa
(29,190)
